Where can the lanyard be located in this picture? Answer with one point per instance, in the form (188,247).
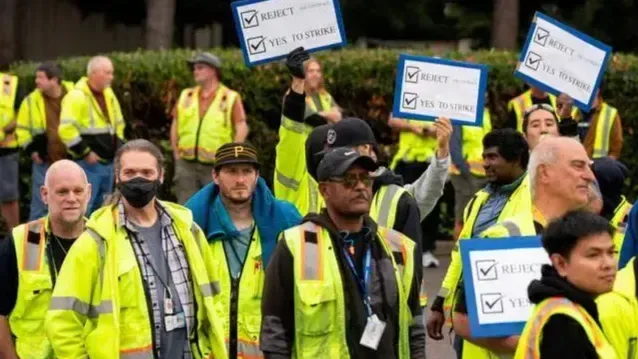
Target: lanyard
(362,281)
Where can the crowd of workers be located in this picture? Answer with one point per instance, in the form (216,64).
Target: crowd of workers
(328,265)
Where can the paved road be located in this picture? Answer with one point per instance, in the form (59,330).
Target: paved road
(434,276)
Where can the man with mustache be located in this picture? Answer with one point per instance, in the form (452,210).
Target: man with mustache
(339,285)
(560,178)
(241,220)
(31,259)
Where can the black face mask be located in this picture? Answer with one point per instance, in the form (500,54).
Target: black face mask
(139,191)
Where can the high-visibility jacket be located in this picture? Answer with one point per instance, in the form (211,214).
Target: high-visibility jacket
(618,313)
(530,341)
(320,310)
(619,222)
(83,125)
(99,307)
(606,117)
(34,292)
(413,147)
(199,138)
(519,202)
(472,138)
(8,94)
(326,102)
(520,103)
(32,121)
(522,224)
(239,302)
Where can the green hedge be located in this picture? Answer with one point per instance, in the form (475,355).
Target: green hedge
(362,82)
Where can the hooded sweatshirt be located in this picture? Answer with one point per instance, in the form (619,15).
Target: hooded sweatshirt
(278,328)
(562,336)
(610,175)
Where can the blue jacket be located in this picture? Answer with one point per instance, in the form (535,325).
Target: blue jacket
(271,216)
(630,243)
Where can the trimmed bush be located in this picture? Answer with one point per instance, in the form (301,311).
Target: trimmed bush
(362,82)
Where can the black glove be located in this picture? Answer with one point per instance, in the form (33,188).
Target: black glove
(295,61)
(568,127)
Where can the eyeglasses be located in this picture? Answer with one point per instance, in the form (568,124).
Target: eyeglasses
(350,181)
(539,106)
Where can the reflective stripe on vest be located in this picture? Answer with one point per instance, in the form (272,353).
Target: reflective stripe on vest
(512,228)
(619,223)
(603,130)
(246,350)
(393,239)
(286,181)
(384,206)
(311,252)
(137,353)
(34,252)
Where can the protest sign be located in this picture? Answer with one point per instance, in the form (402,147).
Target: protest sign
(427,88)
(559,59)
(497,273)
(269,29)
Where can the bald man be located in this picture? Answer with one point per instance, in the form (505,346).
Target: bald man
(560,181)
(92,127)
(26,274)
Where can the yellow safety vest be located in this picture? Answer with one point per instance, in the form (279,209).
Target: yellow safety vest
(530,341)
(519,202)
(99,308)
(320,313)
(325,99)
(32,116)
(34,292)
(199,138)
(619,222)
(473,146)
(413,147)
(81,115)
(247,295)
(606,118)
(520,103)
(618,313)
(8,94)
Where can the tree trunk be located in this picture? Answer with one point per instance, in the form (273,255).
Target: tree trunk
(8,26)
(505,24)
(160,21)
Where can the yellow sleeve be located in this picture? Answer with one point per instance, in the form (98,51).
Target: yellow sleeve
(119,120)
(618,320)
(68,312)
(23,129)
(73,109)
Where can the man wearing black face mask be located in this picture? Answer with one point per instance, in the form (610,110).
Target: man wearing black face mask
(153,254)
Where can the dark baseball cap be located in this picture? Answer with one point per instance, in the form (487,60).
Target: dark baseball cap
(339,160)
(205,58)
(350,132)
(234,153)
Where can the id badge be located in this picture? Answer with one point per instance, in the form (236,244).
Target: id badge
(168,306)
(176,321)
(372,333)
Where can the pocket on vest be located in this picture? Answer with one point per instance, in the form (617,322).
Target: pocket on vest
(316,311)
(36,290)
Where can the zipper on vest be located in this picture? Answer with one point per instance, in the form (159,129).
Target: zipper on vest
(199,129)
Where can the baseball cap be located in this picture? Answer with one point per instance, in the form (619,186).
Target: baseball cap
(339,160)
(233,153)
(350,132)
(205,58)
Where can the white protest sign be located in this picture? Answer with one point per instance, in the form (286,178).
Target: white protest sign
(501,271)
(270,29)
(428,88)
(559,59)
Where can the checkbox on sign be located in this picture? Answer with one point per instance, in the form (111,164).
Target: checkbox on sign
(256,45)
(409,100)
(533,60)
(249,19)
(486,270)
(412,74)
(492,303)
(541,36)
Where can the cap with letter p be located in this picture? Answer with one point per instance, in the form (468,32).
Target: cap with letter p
(236,153)
(339,160)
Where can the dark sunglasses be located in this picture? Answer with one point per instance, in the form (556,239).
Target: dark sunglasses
(350,181)
(539,106)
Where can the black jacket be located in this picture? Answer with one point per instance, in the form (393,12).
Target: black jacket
(278,311)
(562,336)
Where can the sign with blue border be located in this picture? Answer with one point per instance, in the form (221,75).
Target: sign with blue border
(269,29)
(427,88)
(496,274)
(559,59)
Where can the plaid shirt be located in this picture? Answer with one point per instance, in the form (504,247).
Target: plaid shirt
(178,267)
